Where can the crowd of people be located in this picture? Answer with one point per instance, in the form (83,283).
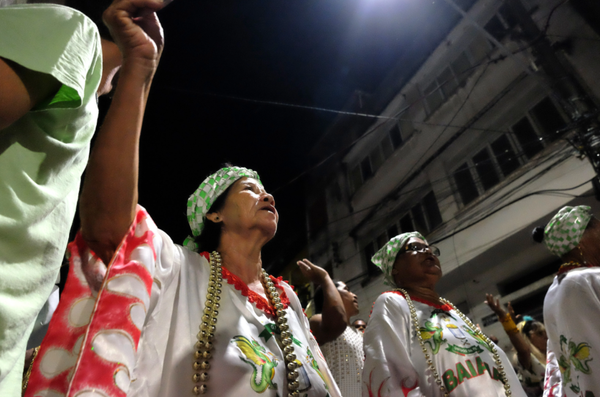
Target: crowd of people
(143,316)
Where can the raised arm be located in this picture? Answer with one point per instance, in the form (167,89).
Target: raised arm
(109,195)
(332,321)
(516,338)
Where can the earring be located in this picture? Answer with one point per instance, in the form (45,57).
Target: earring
(581,253)
(217,218)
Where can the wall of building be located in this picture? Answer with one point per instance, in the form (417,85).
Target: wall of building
(485,243)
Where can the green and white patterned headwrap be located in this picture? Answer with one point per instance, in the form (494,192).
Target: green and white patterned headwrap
(207,193)
(564,231)
(386,256)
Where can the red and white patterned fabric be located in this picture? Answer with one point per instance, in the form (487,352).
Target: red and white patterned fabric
(129,329)
(98,323)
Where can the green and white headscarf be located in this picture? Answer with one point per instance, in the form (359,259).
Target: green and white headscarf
(386,256)
(564,231)
(209,190)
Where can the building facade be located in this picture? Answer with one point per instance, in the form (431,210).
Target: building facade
(471,149)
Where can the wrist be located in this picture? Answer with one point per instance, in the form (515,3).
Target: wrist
(509,325)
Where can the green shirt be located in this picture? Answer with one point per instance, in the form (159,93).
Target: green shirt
(42,157)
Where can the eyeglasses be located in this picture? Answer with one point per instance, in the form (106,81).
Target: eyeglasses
(418,248)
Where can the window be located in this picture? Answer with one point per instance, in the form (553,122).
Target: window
(433,96)
(479,49)
(548,118)
(365,167)
(496,28)
(407,127)
(396,137)
(465,184)
(419,219)
(386,146)
(485,169)
(355,177)
(381,240)
(432,210)
(448,82)
(461,66)
(505,155)
(376,159)
(392,231)
(406,224)
(529,140)
(369,251)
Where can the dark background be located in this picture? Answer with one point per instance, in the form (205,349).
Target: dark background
(221,55)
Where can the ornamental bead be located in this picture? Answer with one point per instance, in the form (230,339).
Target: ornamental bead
(206,354)
(292,365)
(290,357)
(280,313)
(216,306)
(281,320)
(288,349)
(211,283)
(285,334)
(294,385)
(208,310)
(204,377)
(293,375)
(197,354)
(213,320)
(287,341)
(200,389)
(196,378)
(210,336)
(205,318)
(279,306)
(294,393)
(205,365)
(272,290)
(212,290)
(208,345)
(198,345)
(209,302)
(276,300)
(204,326)
(284,327)
(197,365)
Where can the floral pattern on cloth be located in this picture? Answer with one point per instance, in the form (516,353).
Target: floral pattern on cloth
(97,326)
(395,364)
(571,305)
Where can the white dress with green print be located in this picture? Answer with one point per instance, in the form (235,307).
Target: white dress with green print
(247,356)
(395,364)
(571,317)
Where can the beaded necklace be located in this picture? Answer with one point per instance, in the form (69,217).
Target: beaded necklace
(565,267)
(204,345)
(429,358)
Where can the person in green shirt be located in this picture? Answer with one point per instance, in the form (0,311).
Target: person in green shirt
(53,65)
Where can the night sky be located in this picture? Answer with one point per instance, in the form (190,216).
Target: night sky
(304,52)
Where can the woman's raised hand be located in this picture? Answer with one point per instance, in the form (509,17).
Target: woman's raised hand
(313,272)
(495,305)
(134,26)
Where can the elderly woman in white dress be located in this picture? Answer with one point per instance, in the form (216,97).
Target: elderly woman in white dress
(418,344)
(143,316)
(572,304)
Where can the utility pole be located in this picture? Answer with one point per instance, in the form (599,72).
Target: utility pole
(573,98)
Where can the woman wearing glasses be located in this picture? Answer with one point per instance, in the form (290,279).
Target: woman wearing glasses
(419,344)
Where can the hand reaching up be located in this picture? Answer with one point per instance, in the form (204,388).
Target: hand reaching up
(134,26)
(313,272)
(495,305)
